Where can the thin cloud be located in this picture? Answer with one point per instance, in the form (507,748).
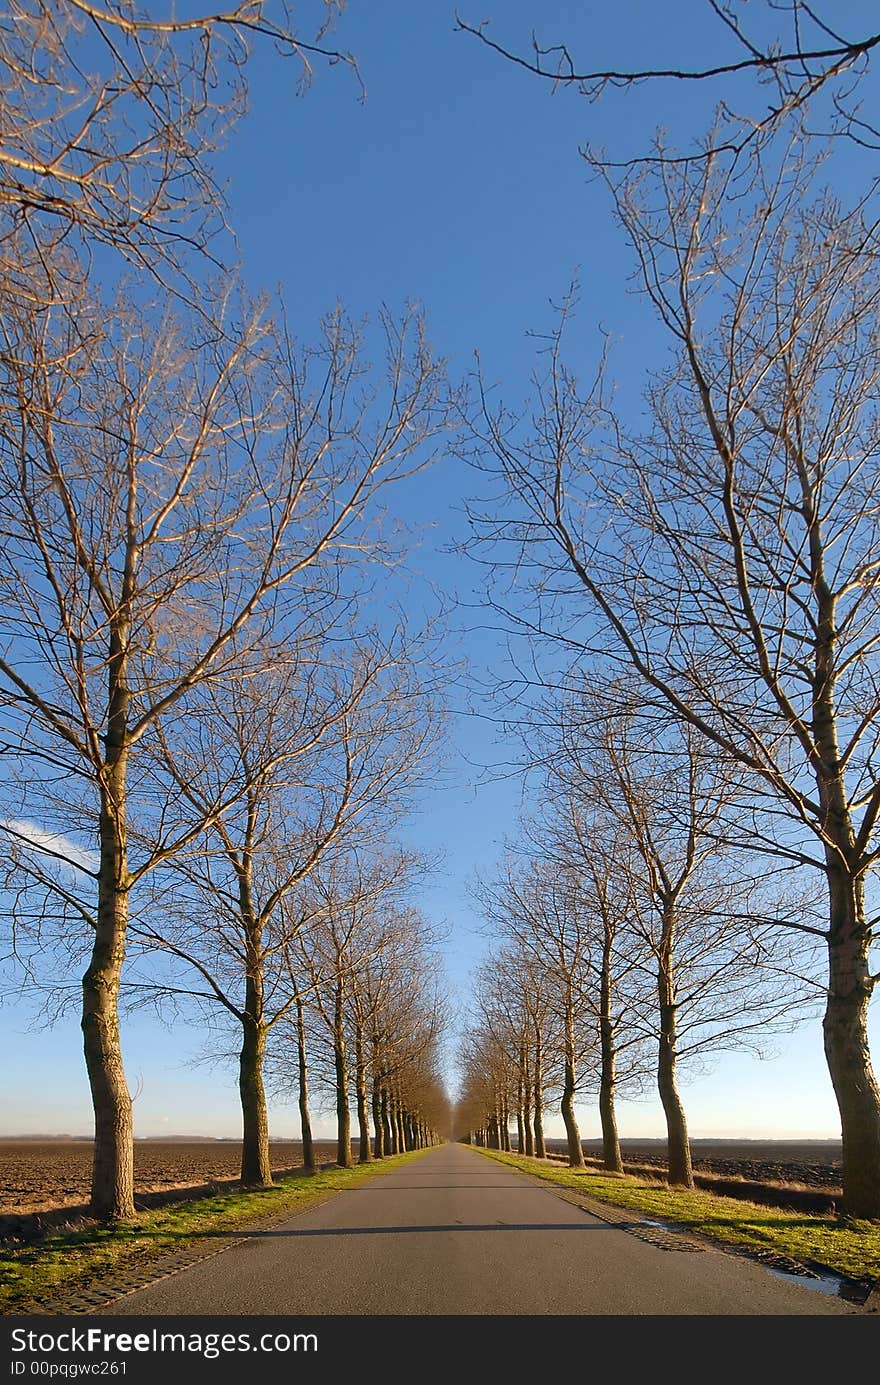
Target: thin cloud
(53,844)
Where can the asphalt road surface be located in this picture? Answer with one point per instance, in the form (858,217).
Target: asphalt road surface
(454,1232)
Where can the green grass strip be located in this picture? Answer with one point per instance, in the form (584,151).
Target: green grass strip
(850,1248)
(74,1258)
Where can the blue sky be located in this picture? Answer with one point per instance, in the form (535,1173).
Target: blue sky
(456,183)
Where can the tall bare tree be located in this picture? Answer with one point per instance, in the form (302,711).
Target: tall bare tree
(408,1027)
(398,981)
(504,1012)
(486,1077)
(575,829)
(377,1006)
(387,972)
(352,899)
(541,908)
(686,898)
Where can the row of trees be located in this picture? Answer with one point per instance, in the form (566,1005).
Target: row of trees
(629,935)
(725,551)
(201,703)
(372,1014)
(316,981)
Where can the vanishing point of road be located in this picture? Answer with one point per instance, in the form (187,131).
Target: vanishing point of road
(456,1233)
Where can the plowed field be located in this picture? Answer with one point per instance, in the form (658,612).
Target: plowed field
(38,1175)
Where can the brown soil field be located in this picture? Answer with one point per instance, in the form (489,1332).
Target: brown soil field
(39,1176)
(814,1163)
(801,1174)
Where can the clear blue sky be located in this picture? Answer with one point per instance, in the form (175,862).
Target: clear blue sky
(457,183)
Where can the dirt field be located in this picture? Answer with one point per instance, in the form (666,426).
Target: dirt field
(38,1175)
(816,1163)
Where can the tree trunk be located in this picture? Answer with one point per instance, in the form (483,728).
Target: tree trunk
(504,1125)
(612,1157)
(112,1196)
(527,1101)
(845,1021)
(401,1135)
(611,1154)
(365,1153)
(340,1061)
(678,1147)
(572,1133)
(387,1134)
(378,1126)
(845,1029)
(540,1144)
(520,1119)
(305,1119)
(256,1168)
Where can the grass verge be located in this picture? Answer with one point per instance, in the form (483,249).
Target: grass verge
(71,1259)
(850,1248)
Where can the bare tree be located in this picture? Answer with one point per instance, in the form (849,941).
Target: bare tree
(386,973)
(406,1039)
(313,746)
(794,50)
(169,490)
(503,1056)
(422,1096)
(501,1052)
(686,897)
(375,998)
(109,119)
(354,900)
(486,1075)
(731,556)
(302,1072)
(400,1009)
(504,1012)
(541,908)
(575,830)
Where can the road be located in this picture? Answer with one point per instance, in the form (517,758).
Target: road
(454,1232)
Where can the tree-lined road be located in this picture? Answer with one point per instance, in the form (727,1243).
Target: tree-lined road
(454,1232)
